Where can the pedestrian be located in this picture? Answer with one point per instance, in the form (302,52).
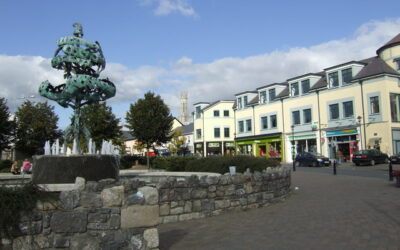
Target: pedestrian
(27,167)
(339,156)
(15,169)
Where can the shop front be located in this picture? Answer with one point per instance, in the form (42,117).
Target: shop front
(267,146)
(199,148)
(229,148)
(304,143)
(214,148)
(342,144)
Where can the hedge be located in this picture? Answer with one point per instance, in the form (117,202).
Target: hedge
(5,166)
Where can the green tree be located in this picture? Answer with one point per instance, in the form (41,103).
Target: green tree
(102,125)
(6,126)
(177,141)
(36,124)
(150,121)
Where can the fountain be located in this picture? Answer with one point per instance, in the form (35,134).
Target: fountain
(82,62)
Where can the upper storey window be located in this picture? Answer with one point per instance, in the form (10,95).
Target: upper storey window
(245,100)
(294,89)
(347,75)
(333,79)
(305,86)
(271,94)
(397,62)
(239,103)
(198,112)
(263,97)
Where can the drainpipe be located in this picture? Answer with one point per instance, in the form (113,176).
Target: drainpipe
(319,124)
(363,114)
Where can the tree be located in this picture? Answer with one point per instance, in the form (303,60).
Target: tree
(177,141)
(102,124)
(6,126)
(150,121)
(36,124)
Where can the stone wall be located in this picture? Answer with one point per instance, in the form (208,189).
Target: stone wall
(193,197)
(99,215)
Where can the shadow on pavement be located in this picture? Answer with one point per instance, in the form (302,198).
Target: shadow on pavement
(168,239)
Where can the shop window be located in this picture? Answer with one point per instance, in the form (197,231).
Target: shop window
(334,111)
(307,115)
(347,76)
(348,109)
(198,133)
(271,94)
(216,113)
(296,117)
(264,122)
(305,86)
(273,121)
(374,104)
(241,126)
(226,113)
(294,89)
(217,133)
(333,79)
(226,132)
(263,97)
(248,125)
(395,107)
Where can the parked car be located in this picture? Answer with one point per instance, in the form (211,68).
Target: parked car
(370,156)
(311,159)
(395,159)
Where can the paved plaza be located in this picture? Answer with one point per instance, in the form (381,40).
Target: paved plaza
(345,211)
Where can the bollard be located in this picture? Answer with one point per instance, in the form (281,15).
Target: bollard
(390,170)
(334,167)
(294,166)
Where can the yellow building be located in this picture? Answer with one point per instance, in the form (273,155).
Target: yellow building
(214,128)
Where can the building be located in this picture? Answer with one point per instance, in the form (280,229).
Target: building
(214,128)
(351,106)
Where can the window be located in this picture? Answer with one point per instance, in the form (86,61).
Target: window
(374,104)
(239,103)
(333,79)
(271,94)
(272,119)
(264,122)
(226,113)
(295,89)
(217,133)
(245,101)
(241,126)
(347,76)
(248,125)
(296,117)
(198,133)
(263,97)
(395,107)
(334,111)
(226,132)
(348,109)
(216,113)
(198,112)
(307,115)
(305,86)
(397,62)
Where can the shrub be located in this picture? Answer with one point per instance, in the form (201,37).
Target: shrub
(173,163)
(5,164)
(127,161)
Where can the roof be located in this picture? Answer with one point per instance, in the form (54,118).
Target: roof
(128,136)
(395,41)
(344,64)
(284,93)
(321,83)
(308,74)
(253,101)
(375,66)
(215,103)
(200,103)
(187,129)
(241,93)
(272,84)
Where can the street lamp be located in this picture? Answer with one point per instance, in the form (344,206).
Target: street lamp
(359,123)
(294,165)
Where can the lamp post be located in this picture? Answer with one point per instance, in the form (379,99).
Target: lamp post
(359,123)
(293,148)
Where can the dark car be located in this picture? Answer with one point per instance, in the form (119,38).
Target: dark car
(370,156)
(311,159)
(395,159)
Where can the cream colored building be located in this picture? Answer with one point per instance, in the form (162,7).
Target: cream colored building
(214,128)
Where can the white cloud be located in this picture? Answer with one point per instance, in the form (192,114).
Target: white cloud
(166,7)
(219,79)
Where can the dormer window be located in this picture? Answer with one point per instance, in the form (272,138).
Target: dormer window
(198,112)
(271,94)
(305,86)
(347,75)
(333,79)
(245,100)
(263,97)
(239,103)
(294,89)
(397,62)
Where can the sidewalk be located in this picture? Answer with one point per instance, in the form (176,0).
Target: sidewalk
(326,212)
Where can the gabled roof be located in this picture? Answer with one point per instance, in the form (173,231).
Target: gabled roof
(395,41)
(215,103)
(200,103)
(241,93)
(344,64)
(322,83)
(283,94)
(128,136)
(375,66)
(187,129)
(255,100)
(308,74)
(272,84)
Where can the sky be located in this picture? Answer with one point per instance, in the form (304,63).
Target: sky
(212,49)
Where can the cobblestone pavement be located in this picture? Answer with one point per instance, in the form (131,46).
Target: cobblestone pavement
(325,212)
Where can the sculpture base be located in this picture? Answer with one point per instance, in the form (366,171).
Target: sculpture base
(49,169)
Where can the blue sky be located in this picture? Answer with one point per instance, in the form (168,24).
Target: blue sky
(200,46)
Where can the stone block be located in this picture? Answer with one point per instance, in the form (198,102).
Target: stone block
(70,199)
(139,216)
(219,204)
(80,183)
(248,187)
(60,242)
(174,204)
(136,241)
(207,205)
(68,222)
(268,196)
(134,199)
(190,216)
(188,207)
(170,219)
(115,221)
(196,206)
(212,180)
(199,193)
(27,227)
(150,195)
(112,197)
(84,242)
(97,218)
(230,190)
(212,188)
(176,210)
(90,200)
(151,237)
(212,195)
(47,205)
(164,209)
